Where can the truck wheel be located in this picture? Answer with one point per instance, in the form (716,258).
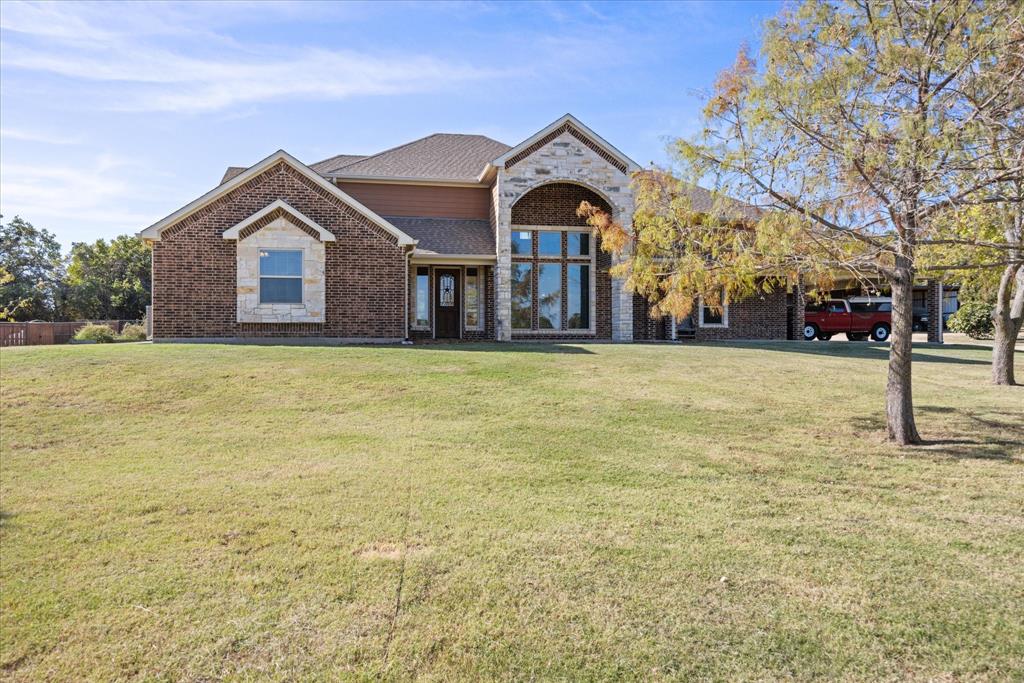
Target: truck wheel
(857,336)
(824,337)
(810,331)
(880,333)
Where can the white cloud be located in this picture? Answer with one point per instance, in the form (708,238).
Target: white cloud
(26,135)
(144,76)
(52,195)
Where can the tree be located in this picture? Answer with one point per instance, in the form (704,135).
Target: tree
(867,120)
(31,259)
(109,281)
(990,234)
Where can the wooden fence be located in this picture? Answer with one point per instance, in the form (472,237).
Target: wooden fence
(34,334)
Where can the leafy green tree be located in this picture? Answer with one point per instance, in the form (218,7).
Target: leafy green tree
(990,240)
(34,269)
(866,121)
(109,281)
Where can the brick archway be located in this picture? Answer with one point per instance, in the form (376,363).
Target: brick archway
(555,203)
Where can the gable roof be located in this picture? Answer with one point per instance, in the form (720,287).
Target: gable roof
(568,123)
(153,231)
(450,157)
(281,208)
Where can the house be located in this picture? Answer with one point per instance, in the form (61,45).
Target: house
(446,237)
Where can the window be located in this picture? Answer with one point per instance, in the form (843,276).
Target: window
(446,290)
(579,243)
(549,243)
(280,277)
(553,289)
(711,316)
(578,297)
(522,296)
(473,298)
(836,307)
(422,297)
(870,307)
(549,296)
(521,242)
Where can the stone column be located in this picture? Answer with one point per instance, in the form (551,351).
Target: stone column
(503,267)
(796,332)
(622,300)
(622,310)
(934,302)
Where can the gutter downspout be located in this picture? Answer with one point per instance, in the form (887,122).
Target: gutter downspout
(408,255)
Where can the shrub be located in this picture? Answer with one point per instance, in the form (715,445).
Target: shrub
(973,319)
(133,332)
(101,334)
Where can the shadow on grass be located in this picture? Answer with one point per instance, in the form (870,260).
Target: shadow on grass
(517,347)
(980,447)
(930,354)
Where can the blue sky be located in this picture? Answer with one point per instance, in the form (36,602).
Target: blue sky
(114,115)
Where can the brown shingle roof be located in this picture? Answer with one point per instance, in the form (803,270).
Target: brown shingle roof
(447,235)
(334,163)
(231,173)
(441,156)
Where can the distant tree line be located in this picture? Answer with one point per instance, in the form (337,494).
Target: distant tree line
(101,280)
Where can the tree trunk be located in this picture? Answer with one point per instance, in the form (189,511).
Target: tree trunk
(1007,318)
(899,403)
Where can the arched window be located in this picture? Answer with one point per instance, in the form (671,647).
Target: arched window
(553,260)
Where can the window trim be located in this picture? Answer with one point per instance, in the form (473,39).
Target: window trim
(414,324)
(564,260)
(300,277)
(725,314)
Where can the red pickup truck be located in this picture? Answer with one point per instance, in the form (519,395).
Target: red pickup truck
(858,318)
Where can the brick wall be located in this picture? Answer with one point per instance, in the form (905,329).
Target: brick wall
(194,284)
(646,328)
(762,316)
(555,204)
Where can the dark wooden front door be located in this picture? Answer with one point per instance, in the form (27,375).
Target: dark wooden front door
(446,303)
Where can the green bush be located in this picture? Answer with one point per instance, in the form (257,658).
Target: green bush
(101,334)
(133,332)
(973,319)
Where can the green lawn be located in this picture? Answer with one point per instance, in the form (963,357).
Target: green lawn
(569,512)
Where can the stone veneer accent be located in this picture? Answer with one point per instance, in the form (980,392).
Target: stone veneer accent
(564,158)
(194,268)
(280,234)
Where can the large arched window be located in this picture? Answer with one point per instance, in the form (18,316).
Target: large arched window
(553,260)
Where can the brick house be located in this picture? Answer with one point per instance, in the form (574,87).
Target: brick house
(446,237)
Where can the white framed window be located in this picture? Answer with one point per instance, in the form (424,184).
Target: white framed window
(472,297)
(422,298)
(280,276)
(711,316)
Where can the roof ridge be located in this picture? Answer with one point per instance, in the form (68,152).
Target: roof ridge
(396,147)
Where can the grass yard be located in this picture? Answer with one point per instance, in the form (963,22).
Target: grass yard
(186,512)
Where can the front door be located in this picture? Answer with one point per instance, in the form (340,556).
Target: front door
(446,304)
